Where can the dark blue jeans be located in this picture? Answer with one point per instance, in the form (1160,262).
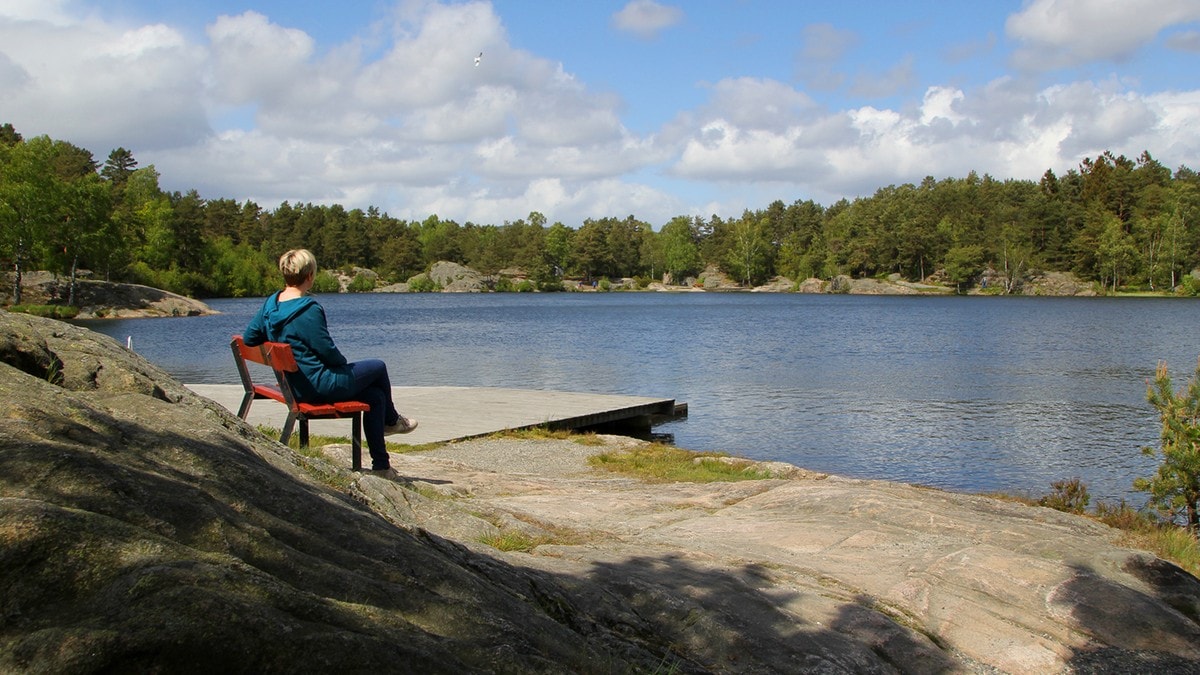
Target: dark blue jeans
(373,387)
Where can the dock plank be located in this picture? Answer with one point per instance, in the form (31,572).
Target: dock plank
(454,413)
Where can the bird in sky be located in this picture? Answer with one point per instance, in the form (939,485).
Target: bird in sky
(478,59)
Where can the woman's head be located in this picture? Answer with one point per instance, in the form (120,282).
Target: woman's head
(297,265)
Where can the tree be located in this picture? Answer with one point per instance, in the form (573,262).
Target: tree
(84,207)
(119,165)
(9,136)
(963,264)
(559,241)
(747,259)
(1175,488)
(679,251)
(27,203)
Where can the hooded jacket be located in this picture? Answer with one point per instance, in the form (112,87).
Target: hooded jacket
(324,374)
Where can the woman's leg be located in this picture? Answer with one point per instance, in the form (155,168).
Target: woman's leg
(373,387)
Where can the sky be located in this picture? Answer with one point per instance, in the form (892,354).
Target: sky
(599,108)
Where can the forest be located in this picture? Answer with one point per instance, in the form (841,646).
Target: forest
(1123,224)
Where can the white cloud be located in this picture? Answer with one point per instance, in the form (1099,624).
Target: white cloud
(1063,33)
(92,83)
(413,127)
(646,18)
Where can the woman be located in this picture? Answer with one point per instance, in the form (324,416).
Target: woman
(325,376)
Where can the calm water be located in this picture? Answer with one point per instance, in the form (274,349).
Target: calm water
(972,394)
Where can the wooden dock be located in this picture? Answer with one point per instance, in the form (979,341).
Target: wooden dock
(454,413)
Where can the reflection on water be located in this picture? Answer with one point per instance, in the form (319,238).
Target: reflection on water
(975,394)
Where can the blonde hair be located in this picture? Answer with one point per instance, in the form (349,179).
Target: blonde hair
(297,265)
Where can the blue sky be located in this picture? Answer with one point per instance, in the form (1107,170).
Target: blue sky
(601,108)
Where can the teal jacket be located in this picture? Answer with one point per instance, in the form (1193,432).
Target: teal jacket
(324,375)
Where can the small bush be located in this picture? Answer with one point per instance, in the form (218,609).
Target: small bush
(325,282)
(423,284)
(503,285)
(362,283)
(1070,496)
(526,286)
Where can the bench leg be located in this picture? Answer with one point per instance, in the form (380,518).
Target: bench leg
(303,432)
(356,443)
(244,408)
(287,428)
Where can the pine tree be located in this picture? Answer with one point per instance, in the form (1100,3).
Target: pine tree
(1175,487)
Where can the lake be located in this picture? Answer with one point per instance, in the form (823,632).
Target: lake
(964,393)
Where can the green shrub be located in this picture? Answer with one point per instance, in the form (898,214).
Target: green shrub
(423,284)
(326,282)
(525,286)
(503,285)
(1070,496)
(362,283)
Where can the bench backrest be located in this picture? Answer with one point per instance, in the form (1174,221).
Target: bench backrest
(274,355)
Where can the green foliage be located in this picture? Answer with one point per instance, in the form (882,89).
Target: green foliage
(503,285)
(47,311)
(526,286)
(1175,488)
(326,282)
(1115,221)
(362,283)
(422,283)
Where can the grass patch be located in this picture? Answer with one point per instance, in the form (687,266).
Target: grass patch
(544,433)
(315,441)
(1139,529)
(512,540)
(47,311)
(659,463)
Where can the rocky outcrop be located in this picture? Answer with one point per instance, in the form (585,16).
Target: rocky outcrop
(102,299)
(455,278)
(143,528)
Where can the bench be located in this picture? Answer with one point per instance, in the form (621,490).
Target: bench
(279,358)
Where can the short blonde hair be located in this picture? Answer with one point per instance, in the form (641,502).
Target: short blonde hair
(297,265)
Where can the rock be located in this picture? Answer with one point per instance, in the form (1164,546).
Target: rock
(713,279)
(102,299)
(811,285)
(776,285)
(144,528)
(455,278)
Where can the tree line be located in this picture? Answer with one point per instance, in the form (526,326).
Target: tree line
(1122,223)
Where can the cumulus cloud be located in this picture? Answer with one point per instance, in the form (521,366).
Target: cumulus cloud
(1062,33)
(647,18)
(255,109)
(90,82)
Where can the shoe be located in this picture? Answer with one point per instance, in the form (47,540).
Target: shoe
(400,426)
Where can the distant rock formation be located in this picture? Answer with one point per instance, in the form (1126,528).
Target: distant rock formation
(102,299)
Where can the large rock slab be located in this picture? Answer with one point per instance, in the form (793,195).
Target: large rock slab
(144,528)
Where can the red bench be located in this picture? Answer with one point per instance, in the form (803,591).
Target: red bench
(279,358)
